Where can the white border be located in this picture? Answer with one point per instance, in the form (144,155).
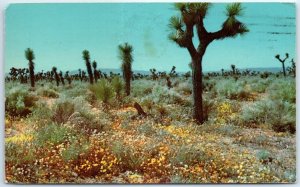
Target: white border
(4,4)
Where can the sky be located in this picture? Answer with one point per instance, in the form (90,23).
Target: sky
(58,33)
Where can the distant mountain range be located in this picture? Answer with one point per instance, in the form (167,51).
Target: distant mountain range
(116,71)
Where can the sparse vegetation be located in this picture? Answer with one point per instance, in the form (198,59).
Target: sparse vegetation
(145,128)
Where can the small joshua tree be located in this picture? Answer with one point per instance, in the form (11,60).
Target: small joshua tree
(125,54)
(172,72)
(54,70)
(183,27)
(80,74)
(292,69)
(96,75)
(86,58)
(68,77)
(282,61)
(62,78)
(30,57)
(233,69)
(154,75)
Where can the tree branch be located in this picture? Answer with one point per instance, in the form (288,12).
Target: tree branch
(231,27)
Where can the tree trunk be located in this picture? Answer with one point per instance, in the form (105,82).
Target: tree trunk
(197,89)
(31,73)
(283,69)
(139,109)
(127,86)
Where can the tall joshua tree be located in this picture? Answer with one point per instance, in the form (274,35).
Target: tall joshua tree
(192,16)
(282,61)
(125,54)
(54,70)
(86,57)
(96,76)
(30,57)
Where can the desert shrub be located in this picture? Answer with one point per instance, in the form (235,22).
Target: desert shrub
(41,114)
(16,149)
(19,102)
(47,92)
(141,88)
(161,110)
(162,94)
(259,85)
(184,88)
(117,84)
(146,128)
(84,118)
(187,155)
(147,104)
(280,115)
(131,159)
(208,85)
(103,91)
(78,89)
(264,156)
(53,133)
(73,151)
(231,89)
(63,108)
(283,90)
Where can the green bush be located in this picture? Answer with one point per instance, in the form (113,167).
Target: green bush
(74,150)
(280,115)
(53,133)
(117,85)
(264,156)
(259,85)
(47,92)
(141,88)
(63,109)
(230,89)
(284,90)
(19,102)
(130,158)
(103,91)
(184,88)
(187,155)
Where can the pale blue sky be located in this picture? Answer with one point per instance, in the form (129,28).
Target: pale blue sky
(58,33)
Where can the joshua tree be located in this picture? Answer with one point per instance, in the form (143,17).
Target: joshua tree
(68,77)
(192,15)
(282,61)
(86,57)
(125,54)
(62,78)
(54,70)
(172,72)
(30,57)
(233,69)
(96,75)
(222,70)
(292,69)
(154,75)
(79,74)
